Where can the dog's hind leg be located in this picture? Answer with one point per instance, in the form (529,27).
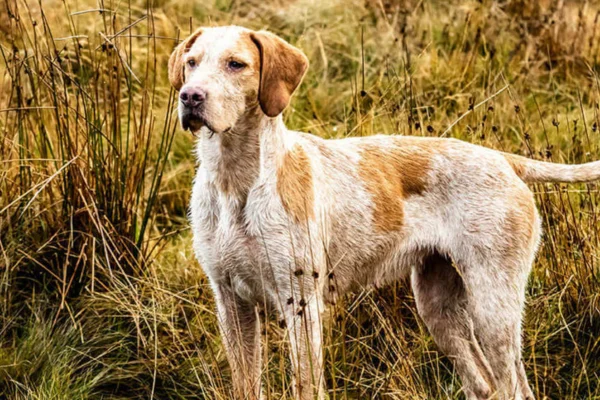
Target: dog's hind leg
(497,297)
(496,277)
(442,304)
(495,306)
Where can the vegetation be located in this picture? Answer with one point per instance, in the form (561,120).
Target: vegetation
(100,295)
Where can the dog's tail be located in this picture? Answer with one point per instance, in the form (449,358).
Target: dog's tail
(532,171)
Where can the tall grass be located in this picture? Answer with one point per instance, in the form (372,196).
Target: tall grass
(100,294)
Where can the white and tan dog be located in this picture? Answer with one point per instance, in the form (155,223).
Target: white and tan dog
(290,221)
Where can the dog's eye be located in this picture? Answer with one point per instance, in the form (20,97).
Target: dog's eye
(236,65)
(191,63)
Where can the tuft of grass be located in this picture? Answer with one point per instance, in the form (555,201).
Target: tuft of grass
(100,295)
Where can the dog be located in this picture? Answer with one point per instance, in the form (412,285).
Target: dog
(288,221)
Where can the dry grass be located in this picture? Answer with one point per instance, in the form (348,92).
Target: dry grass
(100,294)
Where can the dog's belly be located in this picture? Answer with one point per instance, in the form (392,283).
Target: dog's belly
(379,260)
(361,255)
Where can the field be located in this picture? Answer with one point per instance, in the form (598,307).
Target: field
(100,294)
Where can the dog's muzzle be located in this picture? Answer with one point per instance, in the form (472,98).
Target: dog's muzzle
(192,102)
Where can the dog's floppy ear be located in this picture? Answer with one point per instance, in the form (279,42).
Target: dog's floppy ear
(176,67)
(282,67)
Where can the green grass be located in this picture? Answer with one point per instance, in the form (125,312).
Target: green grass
(100,295)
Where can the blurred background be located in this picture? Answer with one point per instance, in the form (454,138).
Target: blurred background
(100,295)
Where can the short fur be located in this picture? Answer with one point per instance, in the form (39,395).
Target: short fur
(287,220)
(282,68)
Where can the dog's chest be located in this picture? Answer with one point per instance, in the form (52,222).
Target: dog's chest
(227,250)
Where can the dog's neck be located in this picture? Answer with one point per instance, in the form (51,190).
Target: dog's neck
(233,160)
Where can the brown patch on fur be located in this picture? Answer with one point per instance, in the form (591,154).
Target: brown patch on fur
(519,222)
(176,67)
(251,82)
(282,67)
(246,44)
(516,164)
(393,174)
(325,150)
(295,186)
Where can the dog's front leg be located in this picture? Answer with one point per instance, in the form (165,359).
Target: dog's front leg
(240,330)
(303,320)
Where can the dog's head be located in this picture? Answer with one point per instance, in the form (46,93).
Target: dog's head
(224,72)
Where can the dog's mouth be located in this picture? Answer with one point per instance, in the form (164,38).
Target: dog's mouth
(193,122)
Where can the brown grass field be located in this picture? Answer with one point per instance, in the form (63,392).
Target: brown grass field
(100,295)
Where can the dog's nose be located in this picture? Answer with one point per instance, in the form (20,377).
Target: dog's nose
(192,97)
